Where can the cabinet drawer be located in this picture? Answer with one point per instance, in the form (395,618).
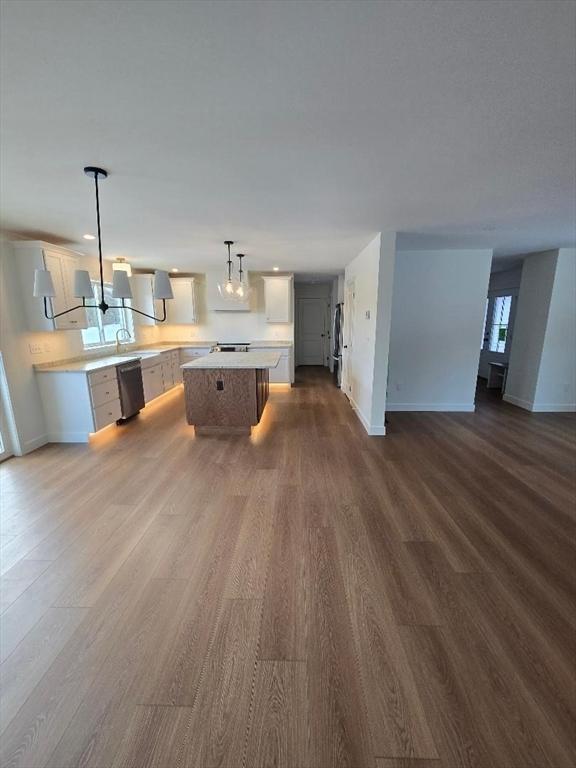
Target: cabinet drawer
(98,377)
(107,414)
(104,392)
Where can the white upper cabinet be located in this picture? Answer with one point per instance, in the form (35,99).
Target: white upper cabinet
(62,263)
(143,299)
(181,309)
(278,298)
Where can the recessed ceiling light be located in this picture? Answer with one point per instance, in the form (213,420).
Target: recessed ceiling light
(174,269)
(89,237)
(275,269)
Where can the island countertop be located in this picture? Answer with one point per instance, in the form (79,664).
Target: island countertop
(236,360)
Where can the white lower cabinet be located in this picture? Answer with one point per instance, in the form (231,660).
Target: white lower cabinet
(281,374)
(152,381)
(284,371)
(78,403)
(106,414)
(167,373)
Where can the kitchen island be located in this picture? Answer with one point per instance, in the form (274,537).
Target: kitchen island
(227,391)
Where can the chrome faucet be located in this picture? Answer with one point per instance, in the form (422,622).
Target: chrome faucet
(128,340)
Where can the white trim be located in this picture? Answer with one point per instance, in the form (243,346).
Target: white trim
(436,407)
(554,408)
(374,430)
(529,405)
(68,437)
(32,445)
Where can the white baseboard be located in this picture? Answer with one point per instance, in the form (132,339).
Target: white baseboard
(436,407)
(373,430)
(32,445)
(67,437)
(528,405)
(518,401)
(553,408)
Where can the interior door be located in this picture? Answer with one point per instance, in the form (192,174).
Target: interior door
(311,331)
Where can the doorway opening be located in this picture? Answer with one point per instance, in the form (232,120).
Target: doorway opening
(498,331)
(314,300)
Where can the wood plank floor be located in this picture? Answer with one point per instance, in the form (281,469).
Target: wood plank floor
(307,597)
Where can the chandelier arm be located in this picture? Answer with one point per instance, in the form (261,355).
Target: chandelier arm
(145,314)
(66,311)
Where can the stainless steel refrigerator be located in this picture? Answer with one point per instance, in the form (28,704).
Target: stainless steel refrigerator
(337,342)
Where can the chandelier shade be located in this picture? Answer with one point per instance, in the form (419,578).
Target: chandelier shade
(82,285)
(43,285)
(162,286)
(121,285)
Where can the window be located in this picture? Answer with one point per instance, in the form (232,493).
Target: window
(102,328)
(497,321)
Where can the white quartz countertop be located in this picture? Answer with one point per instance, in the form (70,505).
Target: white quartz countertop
(86,366)
(236,360)
(165,345)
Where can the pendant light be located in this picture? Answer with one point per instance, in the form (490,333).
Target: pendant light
(227,288)
(242,289)
(44,286)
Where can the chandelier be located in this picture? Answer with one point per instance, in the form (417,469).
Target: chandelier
(44,285)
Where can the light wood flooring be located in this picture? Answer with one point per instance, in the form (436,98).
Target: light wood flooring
(307,597)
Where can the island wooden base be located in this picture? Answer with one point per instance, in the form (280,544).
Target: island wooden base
(225,399)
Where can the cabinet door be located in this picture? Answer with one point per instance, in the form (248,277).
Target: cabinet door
(142,298)
(281,374)
(62,269)
(79,318)
(152,382)
(181,310)
(167,375)
(278,299)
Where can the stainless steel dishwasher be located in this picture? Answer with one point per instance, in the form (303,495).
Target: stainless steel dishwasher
(130,388)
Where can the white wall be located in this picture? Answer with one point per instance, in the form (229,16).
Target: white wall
(542,373)
(23,393)
(556,388)
(505,282)
(366,361)
(230,326)
(438,309)
(530,328)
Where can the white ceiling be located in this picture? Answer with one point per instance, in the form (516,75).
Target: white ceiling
(299,129)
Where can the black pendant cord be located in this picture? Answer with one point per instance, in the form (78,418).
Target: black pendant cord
(103,305)
(240,256)
(229,243)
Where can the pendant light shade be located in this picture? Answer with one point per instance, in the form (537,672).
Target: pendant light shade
(162,287)
(82,285)
(227,288)
(242,290)
(43,285)
(121,285)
